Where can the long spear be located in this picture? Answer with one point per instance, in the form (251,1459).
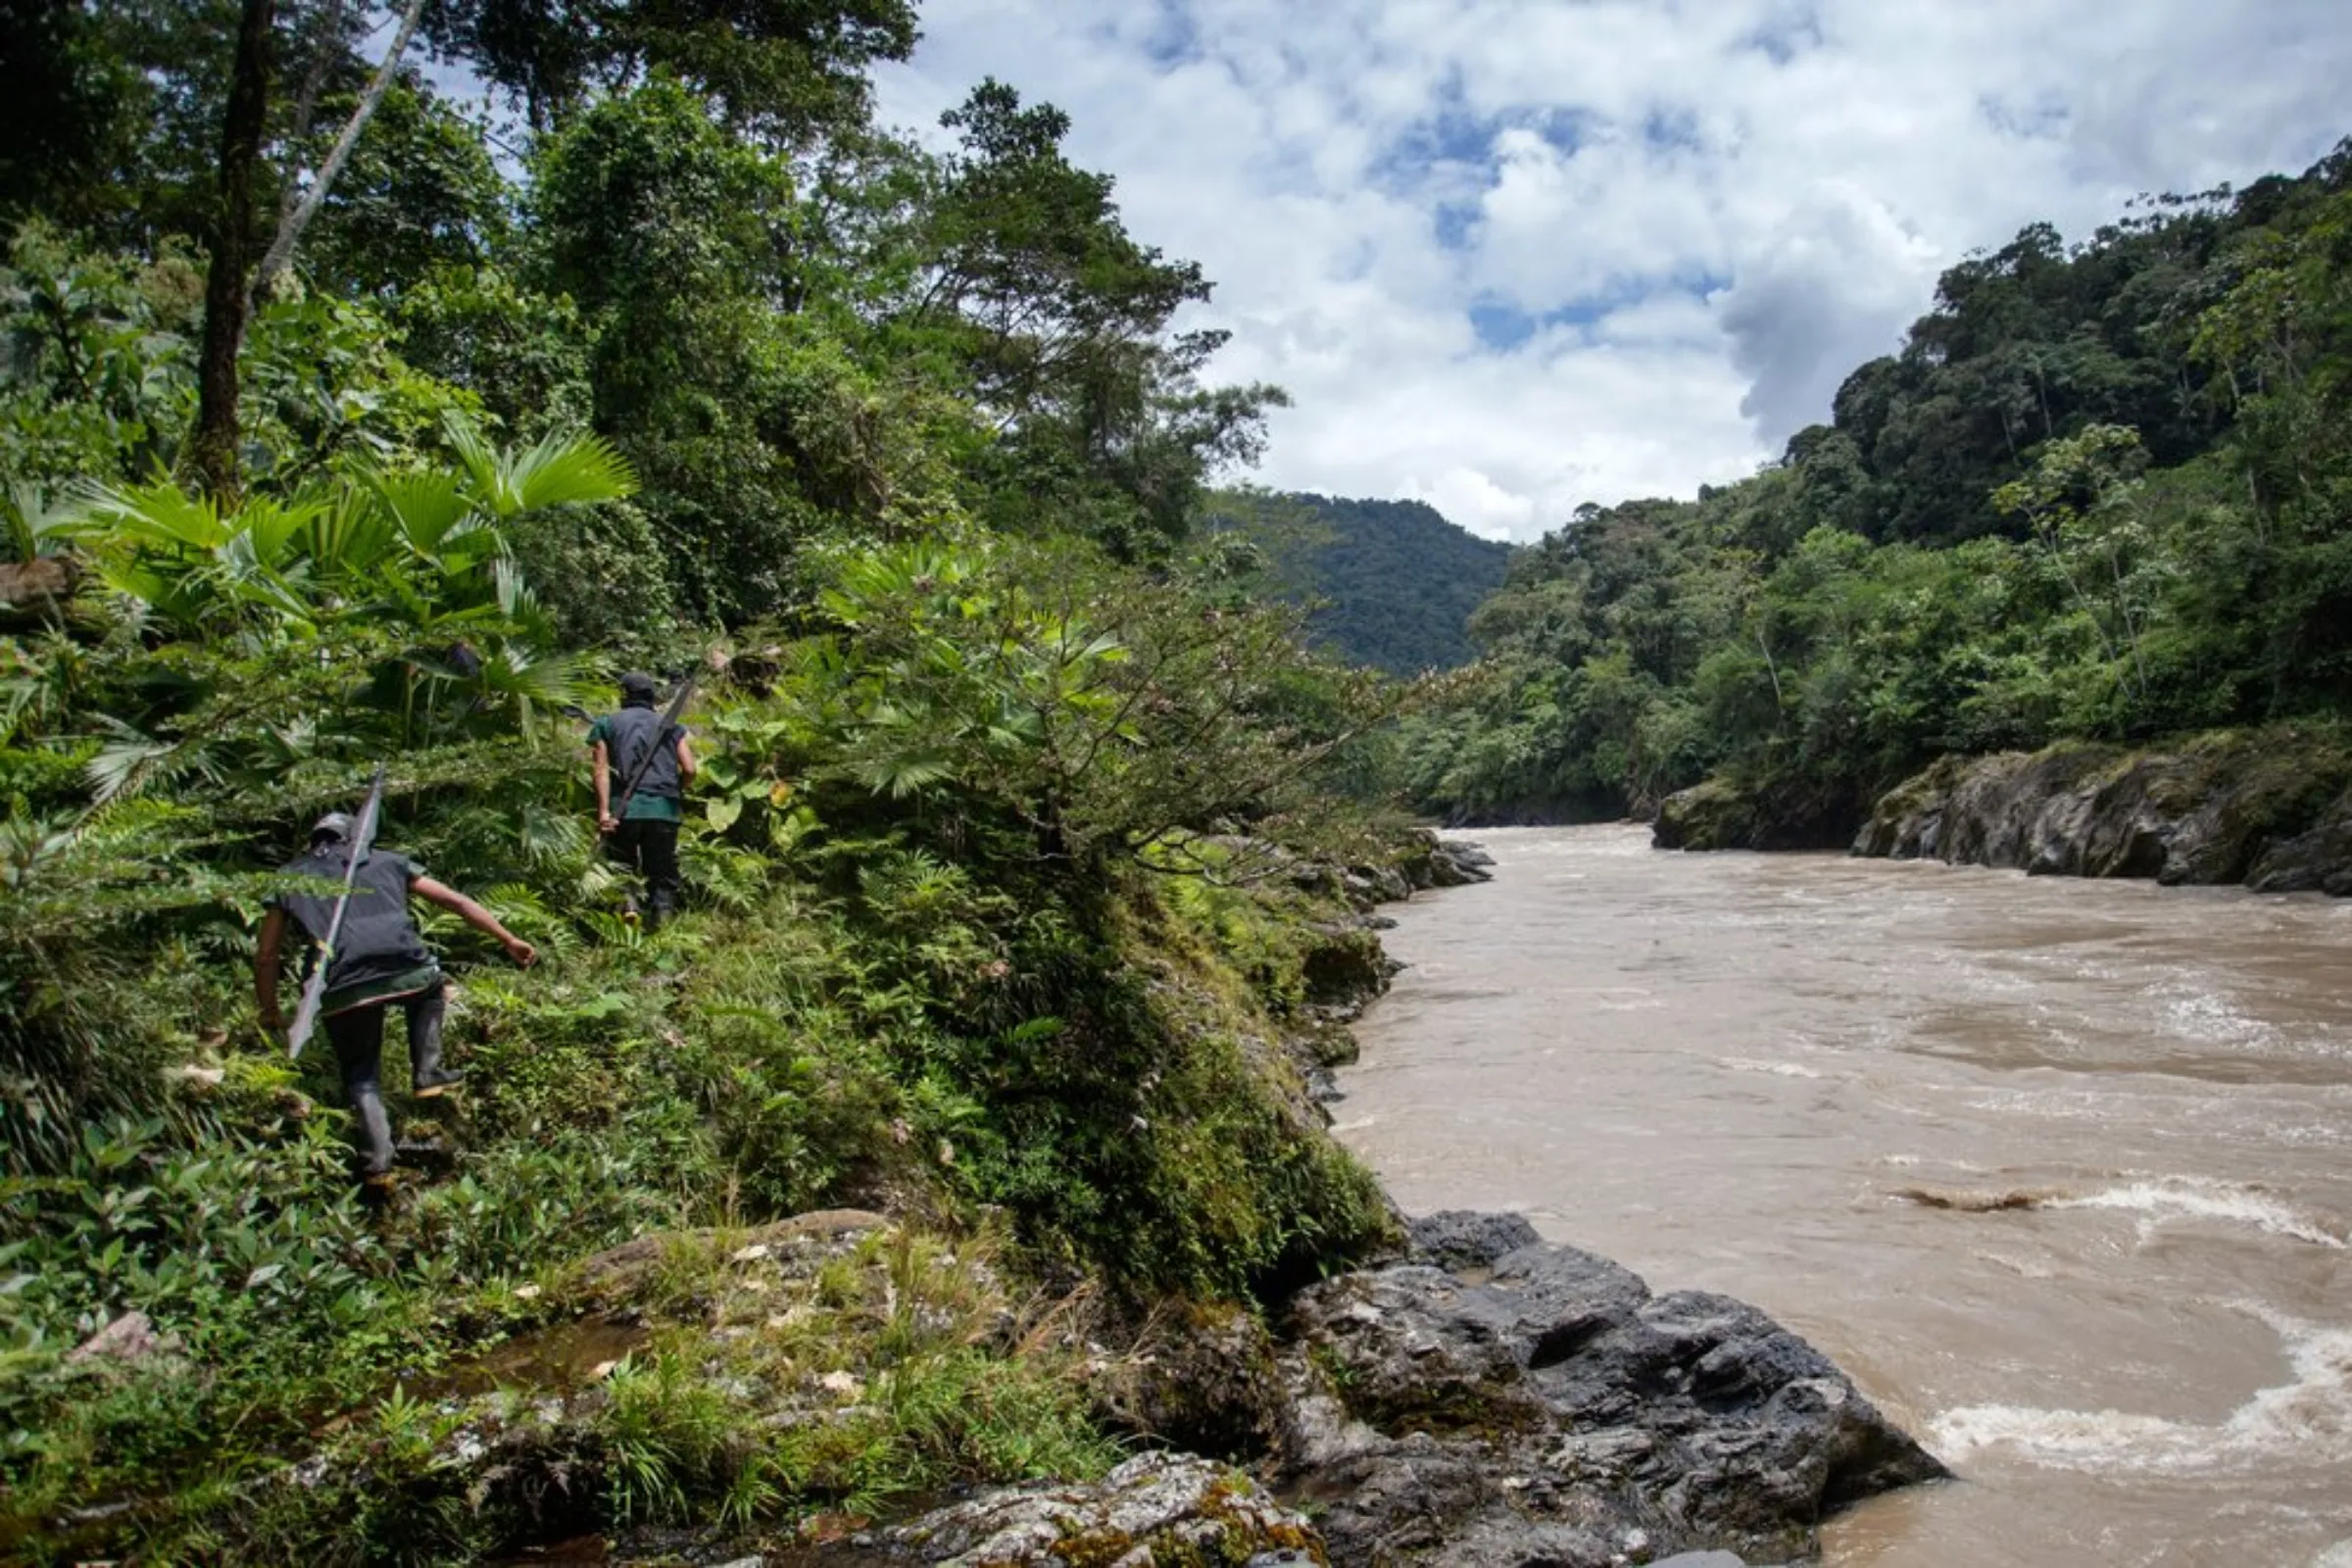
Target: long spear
(313,989)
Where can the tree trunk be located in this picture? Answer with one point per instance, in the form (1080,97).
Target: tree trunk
(213,451)
(299,214)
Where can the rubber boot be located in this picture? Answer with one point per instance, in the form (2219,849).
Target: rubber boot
(428,1078)
(432,1083)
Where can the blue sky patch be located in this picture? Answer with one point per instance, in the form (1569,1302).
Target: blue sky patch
(1504,326)
(1501,326)
(1783,37)
(1457,225)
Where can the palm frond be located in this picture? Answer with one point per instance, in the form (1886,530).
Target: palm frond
(123,765)
(548,682)
(350,538)
(424,506)
(267,530)
(156,515)
(481,466)
(567,468)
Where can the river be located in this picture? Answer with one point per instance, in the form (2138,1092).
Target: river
(2059,1171)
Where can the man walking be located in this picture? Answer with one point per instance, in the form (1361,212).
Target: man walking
(379,959)
(654,763)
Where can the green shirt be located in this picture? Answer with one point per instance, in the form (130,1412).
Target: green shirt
(643,806)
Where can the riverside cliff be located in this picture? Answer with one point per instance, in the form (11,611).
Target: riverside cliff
(2268,810)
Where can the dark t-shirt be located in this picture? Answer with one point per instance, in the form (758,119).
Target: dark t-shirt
(658,798)
(378,940)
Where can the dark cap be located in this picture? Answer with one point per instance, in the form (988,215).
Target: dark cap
(637,686)
(334,825)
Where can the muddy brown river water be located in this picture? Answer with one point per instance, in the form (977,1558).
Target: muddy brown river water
(2060,1171)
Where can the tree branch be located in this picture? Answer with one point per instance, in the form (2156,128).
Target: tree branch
(298,217)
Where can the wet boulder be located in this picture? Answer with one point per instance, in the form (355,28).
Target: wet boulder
(1721,814)
(1706,817)
(1158,1511)
(2319,861)
(1463,1238)
(33,589)
(1555,1412)
(1345,964)
(1201,1378)
(1436,863)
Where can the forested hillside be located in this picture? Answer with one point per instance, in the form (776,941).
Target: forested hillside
(2103,490)
(340,430)
(1393,582)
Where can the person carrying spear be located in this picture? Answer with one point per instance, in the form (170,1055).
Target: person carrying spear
(649,754)
(365,954)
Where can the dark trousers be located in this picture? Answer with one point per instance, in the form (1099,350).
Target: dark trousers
(358,1037)
(650,847)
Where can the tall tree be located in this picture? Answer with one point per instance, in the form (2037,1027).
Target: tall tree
(1061,323)
(213,451)
(301,209)
(787,73)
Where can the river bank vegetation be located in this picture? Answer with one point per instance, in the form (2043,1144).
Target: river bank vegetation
(2103,494)
(318,460)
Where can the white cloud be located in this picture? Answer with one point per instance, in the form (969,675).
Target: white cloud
(1683,220)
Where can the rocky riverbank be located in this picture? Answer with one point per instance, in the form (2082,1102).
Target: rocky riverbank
(1484,1400)
(1461,1394)
(1719,814)
(2269,810)
(1480,1400)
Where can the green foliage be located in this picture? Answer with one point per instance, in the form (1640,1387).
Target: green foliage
(735,371)
(1392,582)
(1020,280)
(1980,555)
(784,71)
(421,196)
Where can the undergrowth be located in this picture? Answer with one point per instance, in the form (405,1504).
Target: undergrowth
(821,1048)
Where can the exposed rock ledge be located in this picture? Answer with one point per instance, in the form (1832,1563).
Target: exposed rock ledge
(1537,1405)
(1490,1403)
(2268,808)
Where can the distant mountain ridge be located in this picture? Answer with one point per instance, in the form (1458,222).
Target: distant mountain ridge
(1399,579)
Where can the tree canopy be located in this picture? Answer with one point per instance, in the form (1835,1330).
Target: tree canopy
(1392,582)
(2103,490)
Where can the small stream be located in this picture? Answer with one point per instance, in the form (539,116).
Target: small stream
(2060,1171)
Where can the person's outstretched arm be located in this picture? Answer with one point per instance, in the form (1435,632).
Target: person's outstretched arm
(265,967)
(604,788)
(686,763)
(474,916)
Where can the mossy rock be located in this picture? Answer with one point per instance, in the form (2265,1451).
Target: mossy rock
(1714,815)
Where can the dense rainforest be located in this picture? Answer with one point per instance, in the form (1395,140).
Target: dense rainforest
(1392,582)
(346,422)
(2103,493)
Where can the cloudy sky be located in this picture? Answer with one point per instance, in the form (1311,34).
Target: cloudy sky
(1513,255)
